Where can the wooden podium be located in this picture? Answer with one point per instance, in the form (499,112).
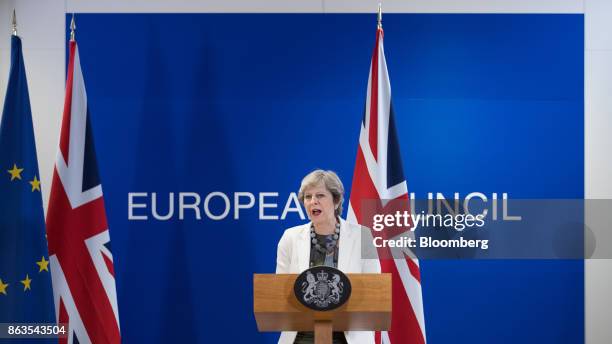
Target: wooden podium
(277,309)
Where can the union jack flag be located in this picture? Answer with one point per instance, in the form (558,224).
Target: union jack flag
(379,176)
(79,242)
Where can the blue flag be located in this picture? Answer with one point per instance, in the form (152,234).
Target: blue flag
(25,279)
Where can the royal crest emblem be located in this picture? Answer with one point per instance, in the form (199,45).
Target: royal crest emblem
(322,288)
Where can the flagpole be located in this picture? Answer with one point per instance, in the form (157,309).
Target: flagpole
(72,29)
(380,15)
(14,20)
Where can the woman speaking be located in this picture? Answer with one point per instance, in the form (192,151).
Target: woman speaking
(326,240)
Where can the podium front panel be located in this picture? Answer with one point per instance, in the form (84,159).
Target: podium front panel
(277,309)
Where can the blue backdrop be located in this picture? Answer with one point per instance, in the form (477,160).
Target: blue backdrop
(252,102)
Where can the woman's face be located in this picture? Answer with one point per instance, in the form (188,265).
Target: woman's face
(319,204)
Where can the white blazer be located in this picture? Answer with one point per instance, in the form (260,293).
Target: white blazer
(293,257)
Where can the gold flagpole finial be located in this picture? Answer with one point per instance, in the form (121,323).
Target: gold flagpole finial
(380,15)
(14,20)
(72,28)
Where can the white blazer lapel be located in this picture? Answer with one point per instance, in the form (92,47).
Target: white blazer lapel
(303,248)
(347,245)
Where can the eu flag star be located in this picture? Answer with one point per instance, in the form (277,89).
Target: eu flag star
(35,184)
(26,283)
(15,172)
(3,287)
(43,264)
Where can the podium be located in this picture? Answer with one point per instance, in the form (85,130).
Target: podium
(277,309)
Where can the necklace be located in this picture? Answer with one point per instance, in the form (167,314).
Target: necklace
(330,245)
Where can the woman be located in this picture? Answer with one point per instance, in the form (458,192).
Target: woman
(326,240)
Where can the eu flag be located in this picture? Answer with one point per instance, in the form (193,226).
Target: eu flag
(25,279)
